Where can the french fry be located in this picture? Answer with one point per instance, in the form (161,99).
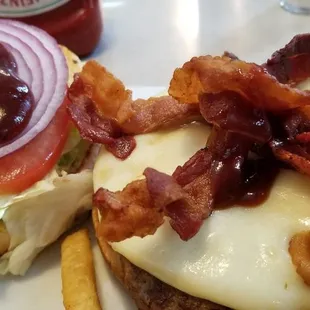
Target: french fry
(78,273)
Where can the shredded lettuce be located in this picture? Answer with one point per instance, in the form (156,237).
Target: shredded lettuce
(35,190)
(38,216)
(72,160)
(74,153)
(73,140)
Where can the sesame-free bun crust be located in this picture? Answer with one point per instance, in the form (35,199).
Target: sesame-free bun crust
(148,292)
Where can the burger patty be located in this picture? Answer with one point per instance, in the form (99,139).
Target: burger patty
(148,292)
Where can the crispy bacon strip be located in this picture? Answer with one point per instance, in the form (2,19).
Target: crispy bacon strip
(142,116)
(292,146)
(207,74)
(295,155)
(303,137)
(289,70)
(103,88)
(140,208)
(291,64)
(186,207)
(193,168)
(293,123)
(127,213)
(104,112)
(98,129)
(230,111)
(112,100)
(131,212)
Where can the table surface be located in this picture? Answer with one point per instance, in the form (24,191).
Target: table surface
(145,40)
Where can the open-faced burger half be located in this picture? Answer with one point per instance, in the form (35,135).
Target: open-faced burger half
(45,183)
(202,197)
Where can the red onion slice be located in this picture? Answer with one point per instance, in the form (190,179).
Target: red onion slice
(23,69)
(30,57)
(48,67)
(54,76)
(60,77)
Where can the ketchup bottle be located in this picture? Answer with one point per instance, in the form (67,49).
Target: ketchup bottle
(77,24)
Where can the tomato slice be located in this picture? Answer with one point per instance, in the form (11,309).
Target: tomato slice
(29,164)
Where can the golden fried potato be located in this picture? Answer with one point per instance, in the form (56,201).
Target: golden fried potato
(78,273)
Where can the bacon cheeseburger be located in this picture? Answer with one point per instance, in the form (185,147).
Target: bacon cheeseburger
(202,197)
(44,183)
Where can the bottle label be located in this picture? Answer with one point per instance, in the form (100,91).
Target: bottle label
(24,8)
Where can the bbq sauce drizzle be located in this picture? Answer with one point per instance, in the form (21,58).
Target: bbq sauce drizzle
(254,187)
(242,167)
(237,179)
(16,99)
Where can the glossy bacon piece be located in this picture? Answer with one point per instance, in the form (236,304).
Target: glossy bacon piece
(98,129)
(122,147)
(230,111)
(293,154)
(294,122)
(193,168)
(290,70)
(207,74)
(186,206)
(291,146)
(303,137)
(291,64)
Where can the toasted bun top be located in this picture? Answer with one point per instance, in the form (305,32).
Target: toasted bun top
(73,61)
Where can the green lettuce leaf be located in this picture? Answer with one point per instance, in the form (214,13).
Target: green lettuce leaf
(73,140)
(71,161)
(74,153)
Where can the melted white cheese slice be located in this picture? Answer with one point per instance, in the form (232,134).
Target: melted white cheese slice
(239,258)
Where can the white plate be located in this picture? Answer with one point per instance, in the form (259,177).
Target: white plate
(41,287)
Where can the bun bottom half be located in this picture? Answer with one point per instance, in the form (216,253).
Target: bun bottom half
(148,292)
